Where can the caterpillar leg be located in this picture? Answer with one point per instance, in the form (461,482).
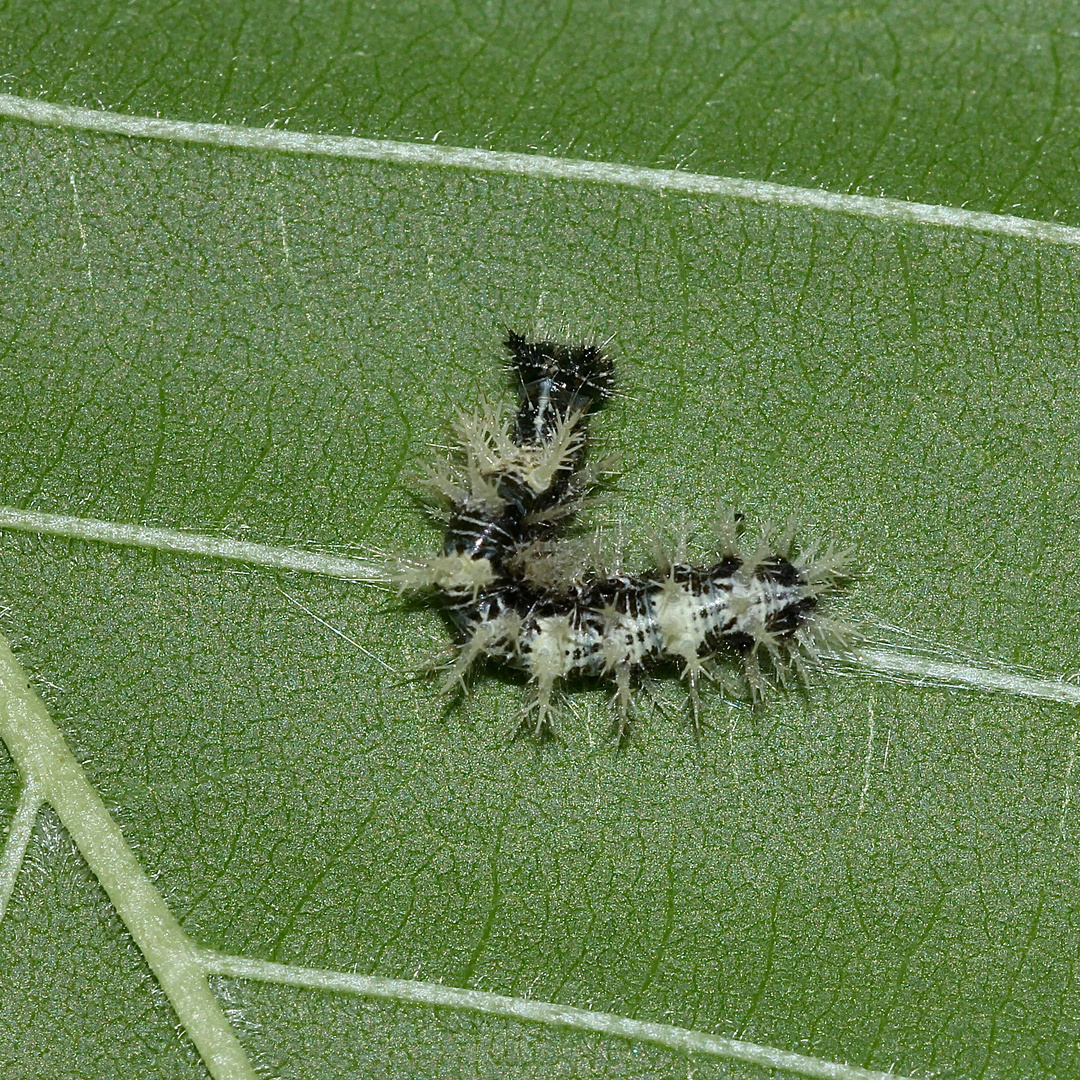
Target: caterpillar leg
(545,724)
(471,651)
(550,658)
(622,700)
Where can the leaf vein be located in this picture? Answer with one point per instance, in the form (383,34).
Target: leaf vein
(273,140)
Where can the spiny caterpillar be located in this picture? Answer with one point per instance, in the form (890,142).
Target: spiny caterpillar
(518,591)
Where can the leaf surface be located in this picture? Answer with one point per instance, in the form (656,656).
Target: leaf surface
(923,99)
(265,346)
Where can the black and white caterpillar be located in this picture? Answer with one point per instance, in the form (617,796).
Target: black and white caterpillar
(519,592)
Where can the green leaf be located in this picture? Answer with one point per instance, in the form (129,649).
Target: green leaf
(937,102)
(264,346)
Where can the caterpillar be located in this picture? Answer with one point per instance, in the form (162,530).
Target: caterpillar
(519,592)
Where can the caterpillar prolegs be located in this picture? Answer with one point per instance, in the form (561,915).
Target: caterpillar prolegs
(519,592)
